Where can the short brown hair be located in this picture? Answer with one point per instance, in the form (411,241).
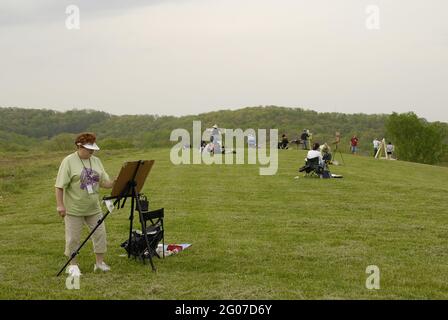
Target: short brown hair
(85,137)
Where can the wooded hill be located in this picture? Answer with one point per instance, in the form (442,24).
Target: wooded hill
(21,129)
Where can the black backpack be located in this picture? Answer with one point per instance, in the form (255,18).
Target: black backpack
(138,247)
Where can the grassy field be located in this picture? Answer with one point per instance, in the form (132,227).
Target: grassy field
(254,237)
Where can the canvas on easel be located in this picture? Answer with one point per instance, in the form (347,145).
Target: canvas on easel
(127,172)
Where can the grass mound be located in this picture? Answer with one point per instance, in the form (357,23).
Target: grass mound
(254,237)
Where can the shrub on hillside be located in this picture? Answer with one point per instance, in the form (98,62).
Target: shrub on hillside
(61,142)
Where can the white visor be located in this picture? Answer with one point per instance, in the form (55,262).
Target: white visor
(91,146)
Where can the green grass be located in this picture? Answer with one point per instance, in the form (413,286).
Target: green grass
(254,237)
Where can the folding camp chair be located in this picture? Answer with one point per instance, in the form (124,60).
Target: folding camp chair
(312,167)
(145,247)
(155,229)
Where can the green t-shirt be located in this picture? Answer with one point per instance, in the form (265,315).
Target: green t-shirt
(76,176)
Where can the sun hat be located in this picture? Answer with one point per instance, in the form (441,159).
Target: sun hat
(87,140)
(90,146)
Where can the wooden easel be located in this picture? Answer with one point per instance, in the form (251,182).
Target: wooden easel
(381,149)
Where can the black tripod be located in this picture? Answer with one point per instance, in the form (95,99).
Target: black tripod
(129,191)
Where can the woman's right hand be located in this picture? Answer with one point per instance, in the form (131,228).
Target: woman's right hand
(61,211)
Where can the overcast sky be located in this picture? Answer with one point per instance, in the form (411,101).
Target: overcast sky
(181,57)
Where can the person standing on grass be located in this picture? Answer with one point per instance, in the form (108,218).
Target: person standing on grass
(77,186)
(354,144)
(215,138)
(389,150)
(376,146)
(305,137)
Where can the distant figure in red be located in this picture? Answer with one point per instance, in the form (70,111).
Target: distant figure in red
(354,144)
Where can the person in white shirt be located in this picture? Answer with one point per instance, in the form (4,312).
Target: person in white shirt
(376,146)
(215,138)
(314,153)
(216,134)
(389,150)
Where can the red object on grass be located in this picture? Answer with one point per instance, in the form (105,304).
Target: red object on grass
(172,247)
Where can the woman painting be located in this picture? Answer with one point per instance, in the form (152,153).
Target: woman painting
(80,176)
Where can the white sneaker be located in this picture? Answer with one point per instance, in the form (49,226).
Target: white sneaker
(73,270)
(102,266)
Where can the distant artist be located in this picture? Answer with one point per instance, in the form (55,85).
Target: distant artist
(389,150)
(376,146)
(326,153)
(354,144)
(305,138)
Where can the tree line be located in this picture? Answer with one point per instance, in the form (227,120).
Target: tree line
(21,128)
